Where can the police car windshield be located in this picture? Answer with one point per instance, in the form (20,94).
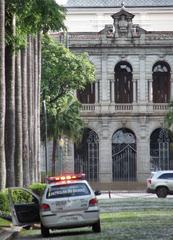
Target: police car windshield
(68,190)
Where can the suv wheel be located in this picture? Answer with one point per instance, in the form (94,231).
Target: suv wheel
(161,192)
(96,226)
(44,231)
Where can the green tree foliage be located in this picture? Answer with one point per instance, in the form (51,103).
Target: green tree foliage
(169,116)
(32,16)
(24,20)
(65,119)
(63,71)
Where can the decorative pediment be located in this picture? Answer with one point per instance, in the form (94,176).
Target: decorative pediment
(122,12)
(123,23)
(123,26)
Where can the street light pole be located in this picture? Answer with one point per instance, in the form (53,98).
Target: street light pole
(45,135)
(61,144)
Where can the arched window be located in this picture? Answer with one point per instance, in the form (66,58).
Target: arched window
(124,155)
(161,82)
(87,155)
(123,83)
(161,150)
(87,95)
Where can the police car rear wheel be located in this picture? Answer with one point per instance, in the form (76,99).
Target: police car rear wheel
(44,231)
(96,226)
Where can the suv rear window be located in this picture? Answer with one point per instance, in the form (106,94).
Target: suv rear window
(68,190)
(166,176)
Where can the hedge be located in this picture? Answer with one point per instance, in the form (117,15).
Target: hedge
(19,196)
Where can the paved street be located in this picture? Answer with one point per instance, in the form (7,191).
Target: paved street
(126,194)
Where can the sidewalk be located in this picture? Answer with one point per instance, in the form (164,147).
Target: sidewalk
(8,233)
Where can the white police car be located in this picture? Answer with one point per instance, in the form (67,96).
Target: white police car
(68,202)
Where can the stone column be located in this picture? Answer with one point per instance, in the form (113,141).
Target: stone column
(142,81)
(105,153)
(143,150)
(112,91)
(150,90)
(171,90)
(68,157)
(104,82)
(134,90)
(143,159)
(96,92)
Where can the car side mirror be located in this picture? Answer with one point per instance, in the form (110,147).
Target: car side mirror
(97,192)
(35,200)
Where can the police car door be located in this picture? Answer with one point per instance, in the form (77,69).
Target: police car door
(24,206)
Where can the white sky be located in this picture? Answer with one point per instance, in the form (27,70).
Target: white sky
(61,2)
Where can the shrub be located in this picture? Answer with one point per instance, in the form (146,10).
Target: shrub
(38,188)
(4,204)
(20,196)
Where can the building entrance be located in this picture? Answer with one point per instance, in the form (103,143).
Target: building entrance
(124,155)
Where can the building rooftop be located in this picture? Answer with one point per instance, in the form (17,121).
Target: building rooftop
(117,3)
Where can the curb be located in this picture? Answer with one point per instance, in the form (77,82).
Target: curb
(9,233)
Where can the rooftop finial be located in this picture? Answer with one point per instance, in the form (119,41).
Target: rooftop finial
(122,4)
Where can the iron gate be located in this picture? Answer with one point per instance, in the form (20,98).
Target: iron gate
(87,156)
(160,152)
(124,156)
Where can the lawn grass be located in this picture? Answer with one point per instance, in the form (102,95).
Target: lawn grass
(125,219)
(4,222)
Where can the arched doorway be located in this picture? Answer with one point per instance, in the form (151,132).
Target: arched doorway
(124,155)
(86,155)
(161,82)
(123,83)
(161,150)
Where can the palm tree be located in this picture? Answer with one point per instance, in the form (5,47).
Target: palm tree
(30,106)
(26,176)
(28,18)
(18,140)
(67,122)
(10,99)
(38,113)
(2,95)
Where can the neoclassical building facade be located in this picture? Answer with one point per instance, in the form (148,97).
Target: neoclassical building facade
(124,110)
(92,15)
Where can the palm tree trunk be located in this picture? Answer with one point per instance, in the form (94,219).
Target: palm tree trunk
(18,147)
(35,107)
(54,149)
(38,112)
(26,177)
(30,106)
(10,103)
(2,95)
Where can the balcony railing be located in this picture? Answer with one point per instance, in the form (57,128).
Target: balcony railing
(160,106)
(125,108)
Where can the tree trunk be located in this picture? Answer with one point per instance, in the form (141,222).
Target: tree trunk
(38,112)
(54,149)
(35,107)
(26,177)
(30,106)
(2,96)
(10,104)
(18,147)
